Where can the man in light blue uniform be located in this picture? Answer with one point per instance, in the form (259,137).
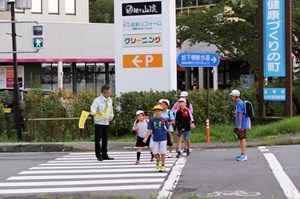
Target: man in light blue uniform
(241,123)
(102,110)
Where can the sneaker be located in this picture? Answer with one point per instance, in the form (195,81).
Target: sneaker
(157,165)
(242,158)
(162,169)
(185,150)
(188,153)
(152,159)
(170,155)
(178,154)
(137,162)
(238,156)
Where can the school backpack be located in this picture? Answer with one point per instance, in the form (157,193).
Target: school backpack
(249,110)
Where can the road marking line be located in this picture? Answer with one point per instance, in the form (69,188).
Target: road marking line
(94,158)
(96,161)
(283,179)
(173,179)
(95,167)
(100,176)
(143,155)
(91,171)
(263,149)
(82,182)
(79,189)
(131,163)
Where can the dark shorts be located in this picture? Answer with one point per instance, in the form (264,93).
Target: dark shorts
(140,143)
(169,143)
(242,134)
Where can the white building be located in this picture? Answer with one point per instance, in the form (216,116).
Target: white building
(76,54)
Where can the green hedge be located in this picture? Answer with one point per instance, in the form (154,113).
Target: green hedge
(220,105)
(36,105)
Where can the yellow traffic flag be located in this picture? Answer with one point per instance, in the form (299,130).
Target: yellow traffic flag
(83,116)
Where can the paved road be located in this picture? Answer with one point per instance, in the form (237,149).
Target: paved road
(270,172)
(33,174)
(215,173)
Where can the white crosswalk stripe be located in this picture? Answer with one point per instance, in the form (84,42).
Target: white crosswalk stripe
(81,172)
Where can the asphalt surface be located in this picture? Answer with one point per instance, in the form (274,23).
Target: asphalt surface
(211,170)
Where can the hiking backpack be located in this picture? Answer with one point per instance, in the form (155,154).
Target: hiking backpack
(249,110)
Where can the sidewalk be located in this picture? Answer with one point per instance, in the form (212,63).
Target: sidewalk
(121,146)
(89,146)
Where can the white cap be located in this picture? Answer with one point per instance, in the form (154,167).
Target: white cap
(160,101)
(235,93)
(140,112)
(184,94)
(166,101)
(181,100)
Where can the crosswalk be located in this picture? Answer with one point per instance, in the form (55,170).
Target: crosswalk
(81,172)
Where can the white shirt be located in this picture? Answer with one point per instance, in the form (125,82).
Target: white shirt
(142,128)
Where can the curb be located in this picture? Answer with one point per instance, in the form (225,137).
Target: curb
(130,146)
(112,146)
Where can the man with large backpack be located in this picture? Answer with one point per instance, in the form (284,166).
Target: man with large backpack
(241,123)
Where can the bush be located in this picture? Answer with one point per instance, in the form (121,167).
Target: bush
(36,105)
(221,107)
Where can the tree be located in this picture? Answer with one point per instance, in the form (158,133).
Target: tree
(231,27)
(101,11)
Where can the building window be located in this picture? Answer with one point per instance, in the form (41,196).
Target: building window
(53,6)
(70,7)
(93,76)
(49,76)
(36,6)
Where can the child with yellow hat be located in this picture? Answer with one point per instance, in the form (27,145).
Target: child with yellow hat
(159,128)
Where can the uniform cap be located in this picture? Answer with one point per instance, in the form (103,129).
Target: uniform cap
(184,94)
(235,93)
(166,101)
(157,107)
(181,100)
(140,112)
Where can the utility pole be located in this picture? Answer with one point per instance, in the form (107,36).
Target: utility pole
(16,82)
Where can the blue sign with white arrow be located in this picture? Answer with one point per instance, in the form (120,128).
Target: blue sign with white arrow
(198,59)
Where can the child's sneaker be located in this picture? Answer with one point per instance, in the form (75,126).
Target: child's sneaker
(178,154)
(242,158)
(137,162)
(185,150)
(188,152)
(152,159)
(162,169)
(238,156)
(170,155)
(157,165)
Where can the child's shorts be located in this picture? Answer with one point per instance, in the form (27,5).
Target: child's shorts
(185,134)
(140,143)
(160,147)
